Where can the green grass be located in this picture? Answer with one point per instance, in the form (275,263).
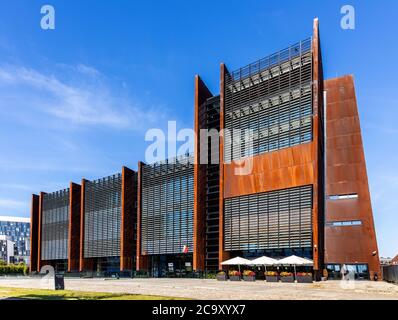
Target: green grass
(40,294)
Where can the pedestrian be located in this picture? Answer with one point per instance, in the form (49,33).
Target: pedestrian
(343,272)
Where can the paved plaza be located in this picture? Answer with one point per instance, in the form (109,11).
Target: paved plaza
(212,289)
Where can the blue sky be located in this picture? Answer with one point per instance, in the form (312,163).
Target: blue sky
(76,101)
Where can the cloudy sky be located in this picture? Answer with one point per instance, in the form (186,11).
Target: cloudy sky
(76,101)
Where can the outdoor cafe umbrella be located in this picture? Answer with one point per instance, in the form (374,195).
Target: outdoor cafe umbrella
(295,261)
(264,261)
(238,261)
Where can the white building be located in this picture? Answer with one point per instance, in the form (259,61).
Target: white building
(15,239)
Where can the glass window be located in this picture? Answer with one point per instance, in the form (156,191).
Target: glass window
(343,197)
(344,223)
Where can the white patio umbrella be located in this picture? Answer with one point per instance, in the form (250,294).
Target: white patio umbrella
(295,261)
(264,261)
(237,261)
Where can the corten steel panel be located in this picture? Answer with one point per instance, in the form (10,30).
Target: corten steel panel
(346,174)
(201,94)
(129,197)
(141,260)
(34,229)
(39,261)
(318,142)
(81,251)
(84,264)
(74,227)
(222,255)
(286,168)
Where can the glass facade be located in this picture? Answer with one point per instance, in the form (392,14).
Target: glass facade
(167,207)
(55,225)
(102,217)
(171,265)
(350,271)
(17,230)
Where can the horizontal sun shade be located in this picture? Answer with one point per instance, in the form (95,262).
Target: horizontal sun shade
(343,197)
(167,207)
(273,99)
(55,224)
(344,223)
(102,217)
(272,220)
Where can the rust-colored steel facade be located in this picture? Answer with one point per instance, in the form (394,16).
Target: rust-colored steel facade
(297,166)
(346,175)
(74,227)
(222,253)
(141,260)
(34,233)
(129,220)
(84,264)
(319,145)
(39,232)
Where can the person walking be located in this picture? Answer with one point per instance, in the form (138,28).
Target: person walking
(343,272)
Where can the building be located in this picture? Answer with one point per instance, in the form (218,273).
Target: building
(385,261)
(165,216)
(15,230)
(394,260)
(286,175)
(87,227)
(277,209)
(6,249)
(349,232)
(108,219)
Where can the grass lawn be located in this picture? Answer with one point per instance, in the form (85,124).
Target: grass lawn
(40,294)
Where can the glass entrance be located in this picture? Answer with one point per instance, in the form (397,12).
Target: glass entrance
(173,266)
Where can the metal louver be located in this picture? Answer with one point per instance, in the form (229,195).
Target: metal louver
(273,98)
(167,207)
(272,220)
(55,225)
(102,217)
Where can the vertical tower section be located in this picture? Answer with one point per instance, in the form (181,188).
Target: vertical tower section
(206,110)
(349,233)
(319,152)
(212,227)
(271,186)
(34,236)
(83,264)
(141,260)
(222,253)
(39,231)
(74,227)
(128,233)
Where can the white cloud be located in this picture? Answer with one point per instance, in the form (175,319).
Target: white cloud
(12,204)
(82,68)
(15,186)
(81,102)
(54,166)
